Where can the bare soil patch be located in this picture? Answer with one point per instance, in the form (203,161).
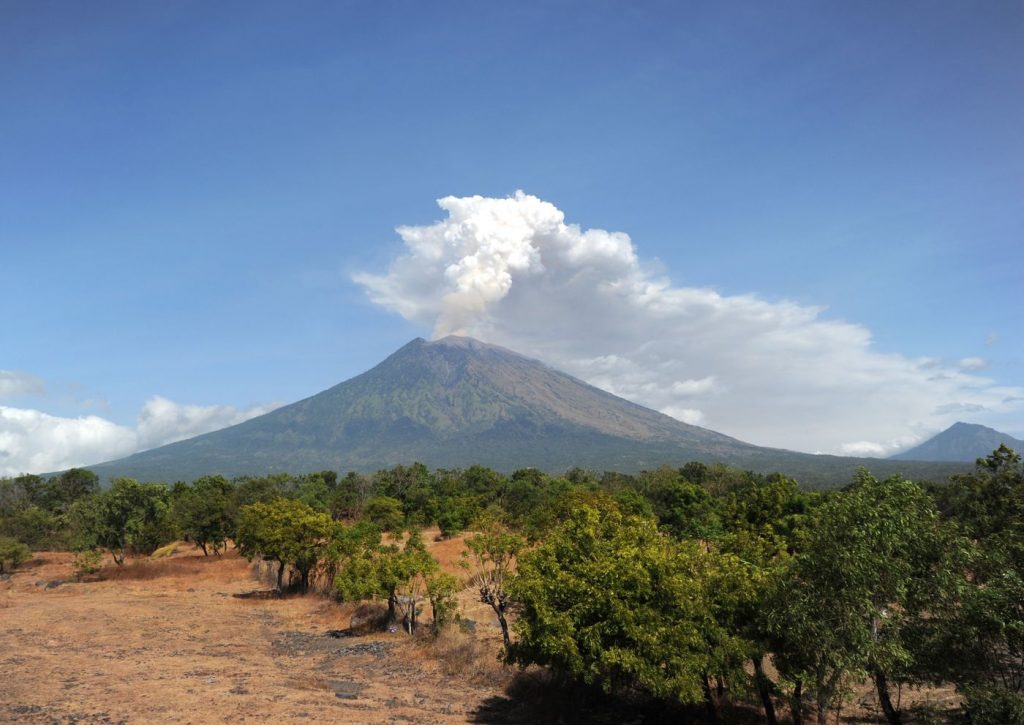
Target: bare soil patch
(167,641)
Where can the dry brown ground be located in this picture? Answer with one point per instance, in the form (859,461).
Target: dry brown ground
(166,641)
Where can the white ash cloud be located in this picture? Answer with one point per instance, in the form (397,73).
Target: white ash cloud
(511,271)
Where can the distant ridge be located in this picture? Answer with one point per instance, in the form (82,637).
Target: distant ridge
(964,442)
(455,402)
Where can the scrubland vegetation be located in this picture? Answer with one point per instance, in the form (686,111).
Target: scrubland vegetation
(702,585)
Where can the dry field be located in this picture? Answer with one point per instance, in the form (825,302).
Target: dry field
(168,641)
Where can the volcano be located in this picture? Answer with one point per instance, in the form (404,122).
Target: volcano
(455,402)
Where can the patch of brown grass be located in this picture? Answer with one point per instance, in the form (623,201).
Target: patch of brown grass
(465,656)
(143,569)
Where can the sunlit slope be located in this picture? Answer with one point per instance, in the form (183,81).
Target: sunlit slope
(455,402)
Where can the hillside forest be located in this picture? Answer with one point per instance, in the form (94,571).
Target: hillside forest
(702,585)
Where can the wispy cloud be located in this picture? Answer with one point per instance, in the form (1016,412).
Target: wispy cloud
(513,272)
(14,383)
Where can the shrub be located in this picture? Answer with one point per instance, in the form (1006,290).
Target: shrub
(86,562)
(13,554)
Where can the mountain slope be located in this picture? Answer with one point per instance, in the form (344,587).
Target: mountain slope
(965,442)
(456,402)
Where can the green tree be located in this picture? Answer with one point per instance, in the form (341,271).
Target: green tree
(877,560)
(285,531)
(203,513)
(128,518)
(610,600)
(442,589)
(982,644)
(385,512)
(69,486)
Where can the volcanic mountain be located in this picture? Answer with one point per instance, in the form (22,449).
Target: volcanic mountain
(960,442)
(455,402)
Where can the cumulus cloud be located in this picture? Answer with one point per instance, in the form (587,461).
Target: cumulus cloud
(15,383)
(513,272)
(35,442)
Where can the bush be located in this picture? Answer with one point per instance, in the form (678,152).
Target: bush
(85,562)
(993,706)
(13,554)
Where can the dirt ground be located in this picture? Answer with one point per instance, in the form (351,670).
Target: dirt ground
(169,641)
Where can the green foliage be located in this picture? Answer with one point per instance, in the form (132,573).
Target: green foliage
(13,554)
(385,512)
(875,562)
(982,649)
(86,562)
(128,518)
(286,531)
(610,600)
(202,512)
(34,526)
(442,590)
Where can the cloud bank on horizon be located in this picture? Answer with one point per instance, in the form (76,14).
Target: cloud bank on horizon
(36,442)
(511,271)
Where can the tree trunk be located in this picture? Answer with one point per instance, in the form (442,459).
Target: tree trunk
(280,576)
(764,689)
(709,700)
(504,630)
(893,715)
(392,603)
(822,699)
(202,545)
(796,703)
(305,580)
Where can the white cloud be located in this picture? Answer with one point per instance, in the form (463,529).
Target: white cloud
(513,272)
(35,442)
(973,363)
(163,421)
(15,383)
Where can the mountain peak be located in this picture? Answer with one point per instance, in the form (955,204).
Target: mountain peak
(455,402)
(965,442)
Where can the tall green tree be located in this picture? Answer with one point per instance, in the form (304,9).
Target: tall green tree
(610,600)
(876,561)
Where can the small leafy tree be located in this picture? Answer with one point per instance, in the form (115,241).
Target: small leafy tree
(129,517)
(399,575)
(415,566)
(442,589)
(203,513)
(285,531)
(490,557)
(13,554)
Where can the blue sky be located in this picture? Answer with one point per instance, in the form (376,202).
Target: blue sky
(190,187)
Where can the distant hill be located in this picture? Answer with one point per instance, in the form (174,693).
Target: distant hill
(455,402)
(965,442)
